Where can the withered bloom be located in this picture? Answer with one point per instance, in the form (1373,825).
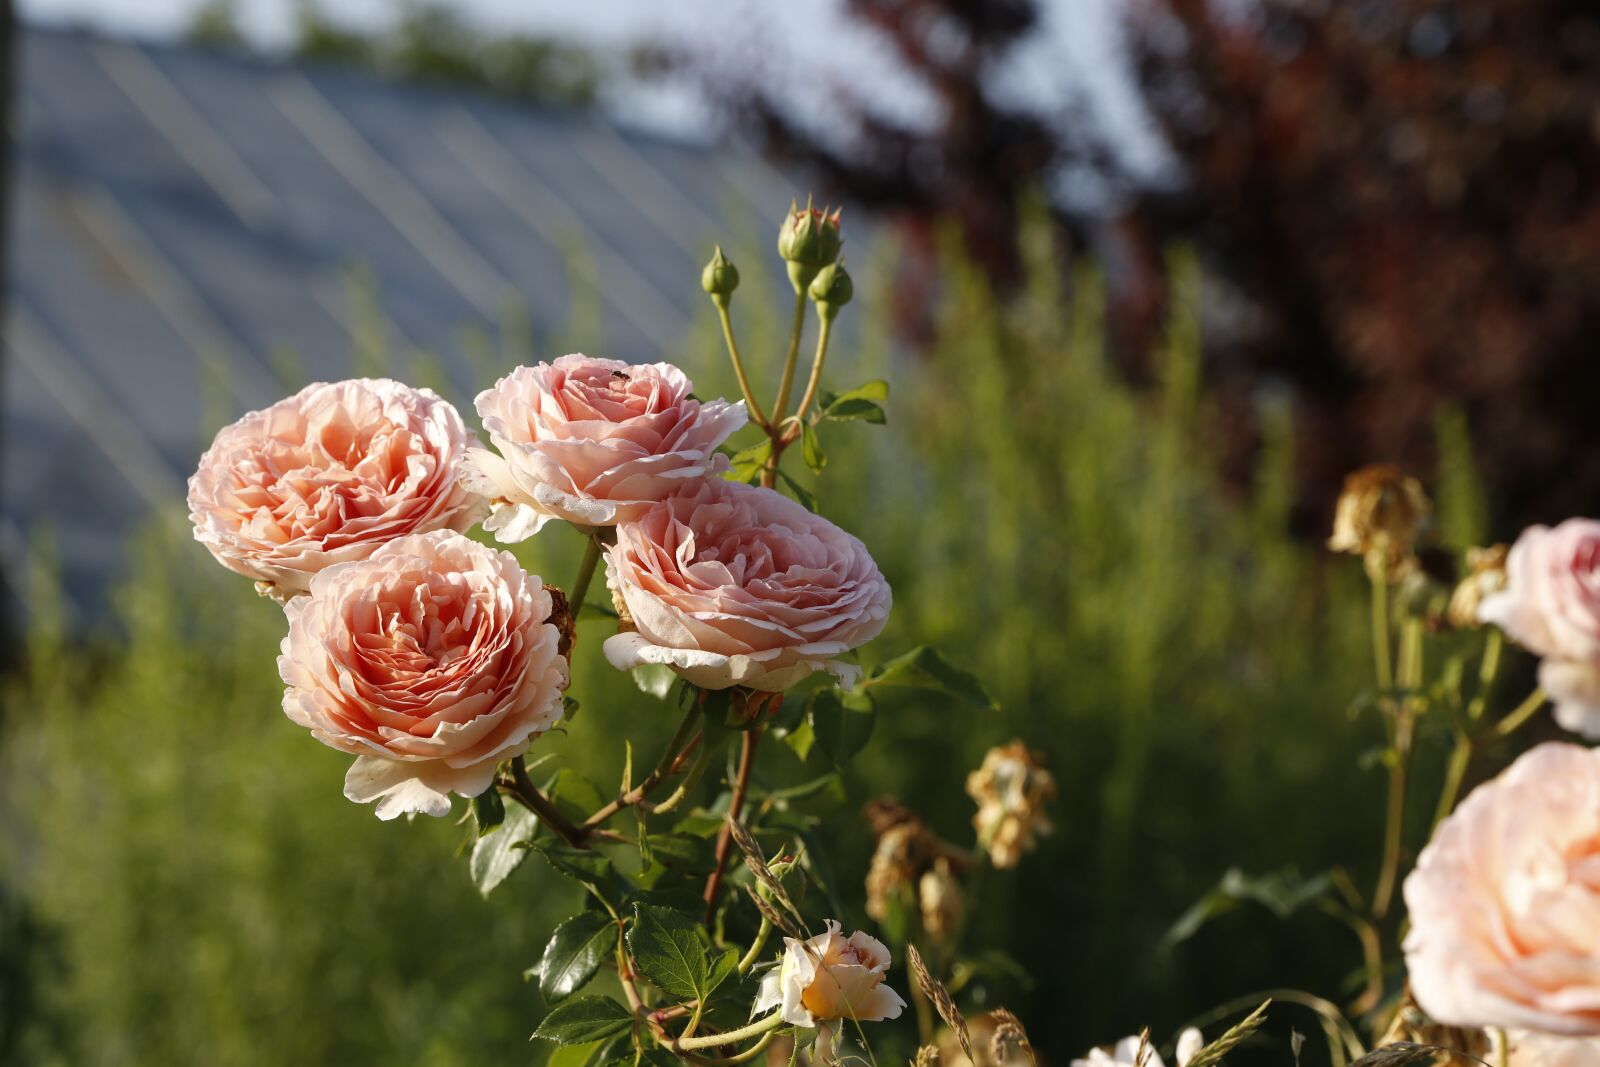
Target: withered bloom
(1380,515)
(1487,575)
(1011,788)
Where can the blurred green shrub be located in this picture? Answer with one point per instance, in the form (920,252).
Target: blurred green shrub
(212,899)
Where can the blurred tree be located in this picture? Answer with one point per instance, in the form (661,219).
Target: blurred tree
(216,25)
(1405,194)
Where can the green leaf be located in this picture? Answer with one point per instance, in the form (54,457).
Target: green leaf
(745,465)
(582,1020)
(499,852)
(863,402)
(841,729)
(574,794)
(573,1055)
(683,852)
(656,679)
(924,668)
(1282,892)
(587,867)
(811,449)
(488,809)
(574,954)
(672,950)
(800,738)
(807,499)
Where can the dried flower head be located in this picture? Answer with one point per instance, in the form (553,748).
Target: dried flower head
(1487,575)
(1380,515)
(901,854)
(927,1056)
(1009,1043)
(941,900)
(1011,788)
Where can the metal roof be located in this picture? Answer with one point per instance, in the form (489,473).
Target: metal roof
(182,218)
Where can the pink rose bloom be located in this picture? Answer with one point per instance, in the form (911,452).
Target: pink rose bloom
(729,584)
(594,442)
(1505,902)
(430,662)
(328,476)
(1551,606)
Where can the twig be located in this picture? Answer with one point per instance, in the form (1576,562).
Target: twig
(741,786)
(520,786)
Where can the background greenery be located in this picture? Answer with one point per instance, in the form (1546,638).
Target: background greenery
(183,883)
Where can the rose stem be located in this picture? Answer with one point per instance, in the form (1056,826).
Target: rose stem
(823,333)
(755,1029)
(580,585)
(664,769)
(1394,814)
(1380,632)
(756,946)
(1523,712)
(741,786)
(744,1057)
(522,787)
(750,401)
(796,329)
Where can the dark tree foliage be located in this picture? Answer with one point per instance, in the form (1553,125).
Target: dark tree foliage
(1397,203)
(1408,194)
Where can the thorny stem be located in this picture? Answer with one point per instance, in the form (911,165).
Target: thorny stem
(1520,714)
(730,1037)
(669,764)
(823,333)
(580,584)
(520,786)
(756,946)
(744,1057)
(741,786)
(750,401)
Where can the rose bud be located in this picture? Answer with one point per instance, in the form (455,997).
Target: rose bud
(829,978)
(1551,606)
(730,584)
(1504,903)
(809,240)
(1011,789)
(1380,515)
(328,476)
(720,278)
(593,442)
(831,289)
(430,662)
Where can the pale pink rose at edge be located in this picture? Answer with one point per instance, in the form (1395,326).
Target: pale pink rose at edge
(593,442)
(1505,902)
(328,476)
(731,584)
(430,662)
(1551,606)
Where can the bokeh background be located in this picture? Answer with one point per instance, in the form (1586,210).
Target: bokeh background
(1148,276)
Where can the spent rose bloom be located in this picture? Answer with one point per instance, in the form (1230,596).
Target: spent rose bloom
(1380,514)
(429,662)
(328,476)
(1505,901)
(1131,1052)
(1551,606)
(1011,788)
(1486,576)
(593,441)
(830,977)
(730,584)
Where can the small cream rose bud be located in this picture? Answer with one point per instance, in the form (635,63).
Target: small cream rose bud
(1380,515)
(809,240)
(720,278)
(1487,575)
(831,289)
(1011,789)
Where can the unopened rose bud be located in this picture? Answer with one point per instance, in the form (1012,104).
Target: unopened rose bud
(1488,575)
(831,289)
(1381,514)
(720,278)
(809,240)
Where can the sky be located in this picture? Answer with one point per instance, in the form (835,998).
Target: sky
(1076,49)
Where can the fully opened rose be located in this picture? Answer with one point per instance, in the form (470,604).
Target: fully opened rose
(429,662)
(731,584)
(1505,902)
(593,441)
(328,476)
(830,977)
(1551,605)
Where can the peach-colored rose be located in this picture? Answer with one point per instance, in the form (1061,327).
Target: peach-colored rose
(830,977)
(593,441)
(328,476)
(1527,1048)
(1551,606)
(1505,901)
(730,584)
(429,662)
